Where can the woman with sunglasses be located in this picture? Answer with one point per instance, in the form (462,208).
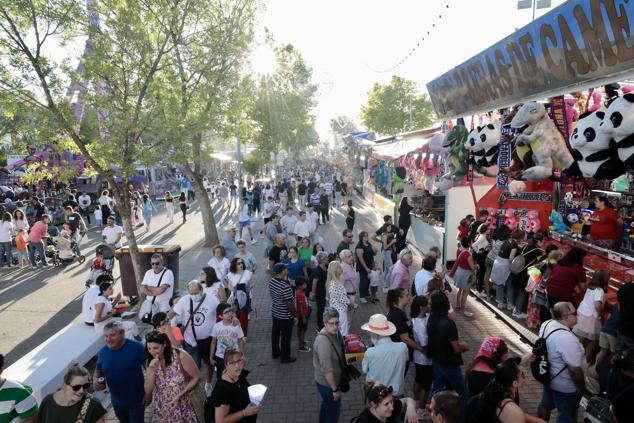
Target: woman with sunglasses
(240,280)
(231,394)
(171,375)
(383,408)
(72,403)
(250,262)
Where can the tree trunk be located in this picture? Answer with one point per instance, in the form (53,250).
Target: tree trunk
(209,222)
(122,196)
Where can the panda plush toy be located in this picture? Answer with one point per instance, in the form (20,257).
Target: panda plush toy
(593,149)
(619,125)
(490,138)
(474,145)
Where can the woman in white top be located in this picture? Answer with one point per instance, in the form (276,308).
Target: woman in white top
(212,286)
(237,276)
(105,203)
(103,306)
(219,263)
(337,296)
(6,232)
(20,221)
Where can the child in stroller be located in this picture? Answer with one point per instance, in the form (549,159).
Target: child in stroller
(102,264)
(64,249)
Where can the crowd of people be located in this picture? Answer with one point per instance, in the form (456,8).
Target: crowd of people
(194,360)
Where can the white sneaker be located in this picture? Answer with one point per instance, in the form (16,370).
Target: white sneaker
(520,315)
(510,306)
(502,306)
(254,241)
(467,313)
(385,289)
(208,389)
(482,295)
(363,301)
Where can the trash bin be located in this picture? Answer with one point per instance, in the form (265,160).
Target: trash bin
(170,260)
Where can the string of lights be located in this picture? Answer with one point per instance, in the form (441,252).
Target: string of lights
(420,42)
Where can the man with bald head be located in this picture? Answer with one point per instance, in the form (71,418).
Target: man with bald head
(197,329)
(566,357)
(278,251)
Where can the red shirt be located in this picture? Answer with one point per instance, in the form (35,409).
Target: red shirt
(604,224)
(38,231)
(562,281)
(463,260)
(302,304)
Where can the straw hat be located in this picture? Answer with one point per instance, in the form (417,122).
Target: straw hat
(379,325)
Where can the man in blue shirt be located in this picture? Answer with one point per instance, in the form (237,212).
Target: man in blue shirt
(121,362)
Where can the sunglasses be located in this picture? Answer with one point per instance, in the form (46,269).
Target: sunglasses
(85,386)
(240,262)
(155,263)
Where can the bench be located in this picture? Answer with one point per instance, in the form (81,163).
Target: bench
(44,367)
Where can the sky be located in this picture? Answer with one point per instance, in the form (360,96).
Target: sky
(347,41)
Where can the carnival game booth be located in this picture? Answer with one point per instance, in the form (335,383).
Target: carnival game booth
(564,119)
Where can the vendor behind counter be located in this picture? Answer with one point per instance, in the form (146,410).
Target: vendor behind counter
(606,226)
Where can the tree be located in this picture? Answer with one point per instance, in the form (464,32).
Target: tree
(117,76)
(342,125)
(202,86)
(283,104)
(387,111)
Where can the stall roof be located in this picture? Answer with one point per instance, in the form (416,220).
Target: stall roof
(392,148)
(556,54)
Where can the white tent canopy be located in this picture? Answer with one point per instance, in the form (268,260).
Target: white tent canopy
(399,148)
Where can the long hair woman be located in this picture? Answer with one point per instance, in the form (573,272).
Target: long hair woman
(171,375)
(337,296)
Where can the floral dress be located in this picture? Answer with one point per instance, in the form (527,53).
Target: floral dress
(169,383)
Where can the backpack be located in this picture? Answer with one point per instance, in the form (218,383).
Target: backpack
(519,263)
(600,408)
(540,367)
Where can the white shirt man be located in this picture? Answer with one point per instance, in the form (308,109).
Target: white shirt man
(288,222)
(151,286)
(267,208)
(302,226)
(86,304)
(84,201)
(313,218)
(423,276)
(566,355)
(112,234)
(204,317)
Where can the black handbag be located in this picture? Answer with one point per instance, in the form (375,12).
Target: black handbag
(147,317)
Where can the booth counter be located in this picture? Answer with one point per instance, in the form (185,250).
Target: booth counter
(424,235)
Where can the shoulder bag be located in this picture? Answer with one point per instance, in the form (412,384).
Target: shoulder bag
(348,371)
(192,311)
(81,417)
(147,308)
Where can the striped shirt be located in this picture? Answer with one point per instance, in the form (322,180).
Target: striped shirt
(17,402)
(281,294)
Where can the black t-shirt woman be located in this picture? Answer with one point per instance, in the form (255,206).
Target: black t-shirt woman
(231,395)
(365,253)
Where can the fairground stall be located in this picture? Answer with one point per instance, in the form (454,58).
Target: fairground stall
(553,121)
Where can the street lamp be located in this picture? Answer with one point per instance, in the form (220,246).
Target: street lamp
(534,4)
(243,115)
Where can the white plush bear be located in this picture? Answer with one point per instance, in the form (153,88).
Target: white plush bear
(593,151)
(619,124)
(546,142)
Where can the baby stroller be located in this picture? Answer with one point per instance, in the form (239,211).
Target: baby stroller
(64,252)
(101,267)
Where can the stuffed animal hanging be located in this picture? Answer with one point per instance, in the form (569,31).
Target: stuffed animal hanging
(593,149)
(544,139)
(557,221)
(619,124)
(456,153)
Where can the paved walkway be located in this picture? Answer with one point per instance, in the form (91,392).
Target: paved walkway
(292,396)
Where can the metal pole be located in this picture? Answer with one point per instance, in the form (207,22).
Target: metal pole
(410,112)
(239,157)
(534,7)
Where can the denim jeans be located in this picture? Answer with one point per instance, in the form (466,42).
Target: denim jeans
(130,413)
(520,303)
(5,247)
(567,404)
(452,375)
(387,266)
(330,409)
(338,198)
(510,290)
(39,247)
(499,293)
(193,351)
